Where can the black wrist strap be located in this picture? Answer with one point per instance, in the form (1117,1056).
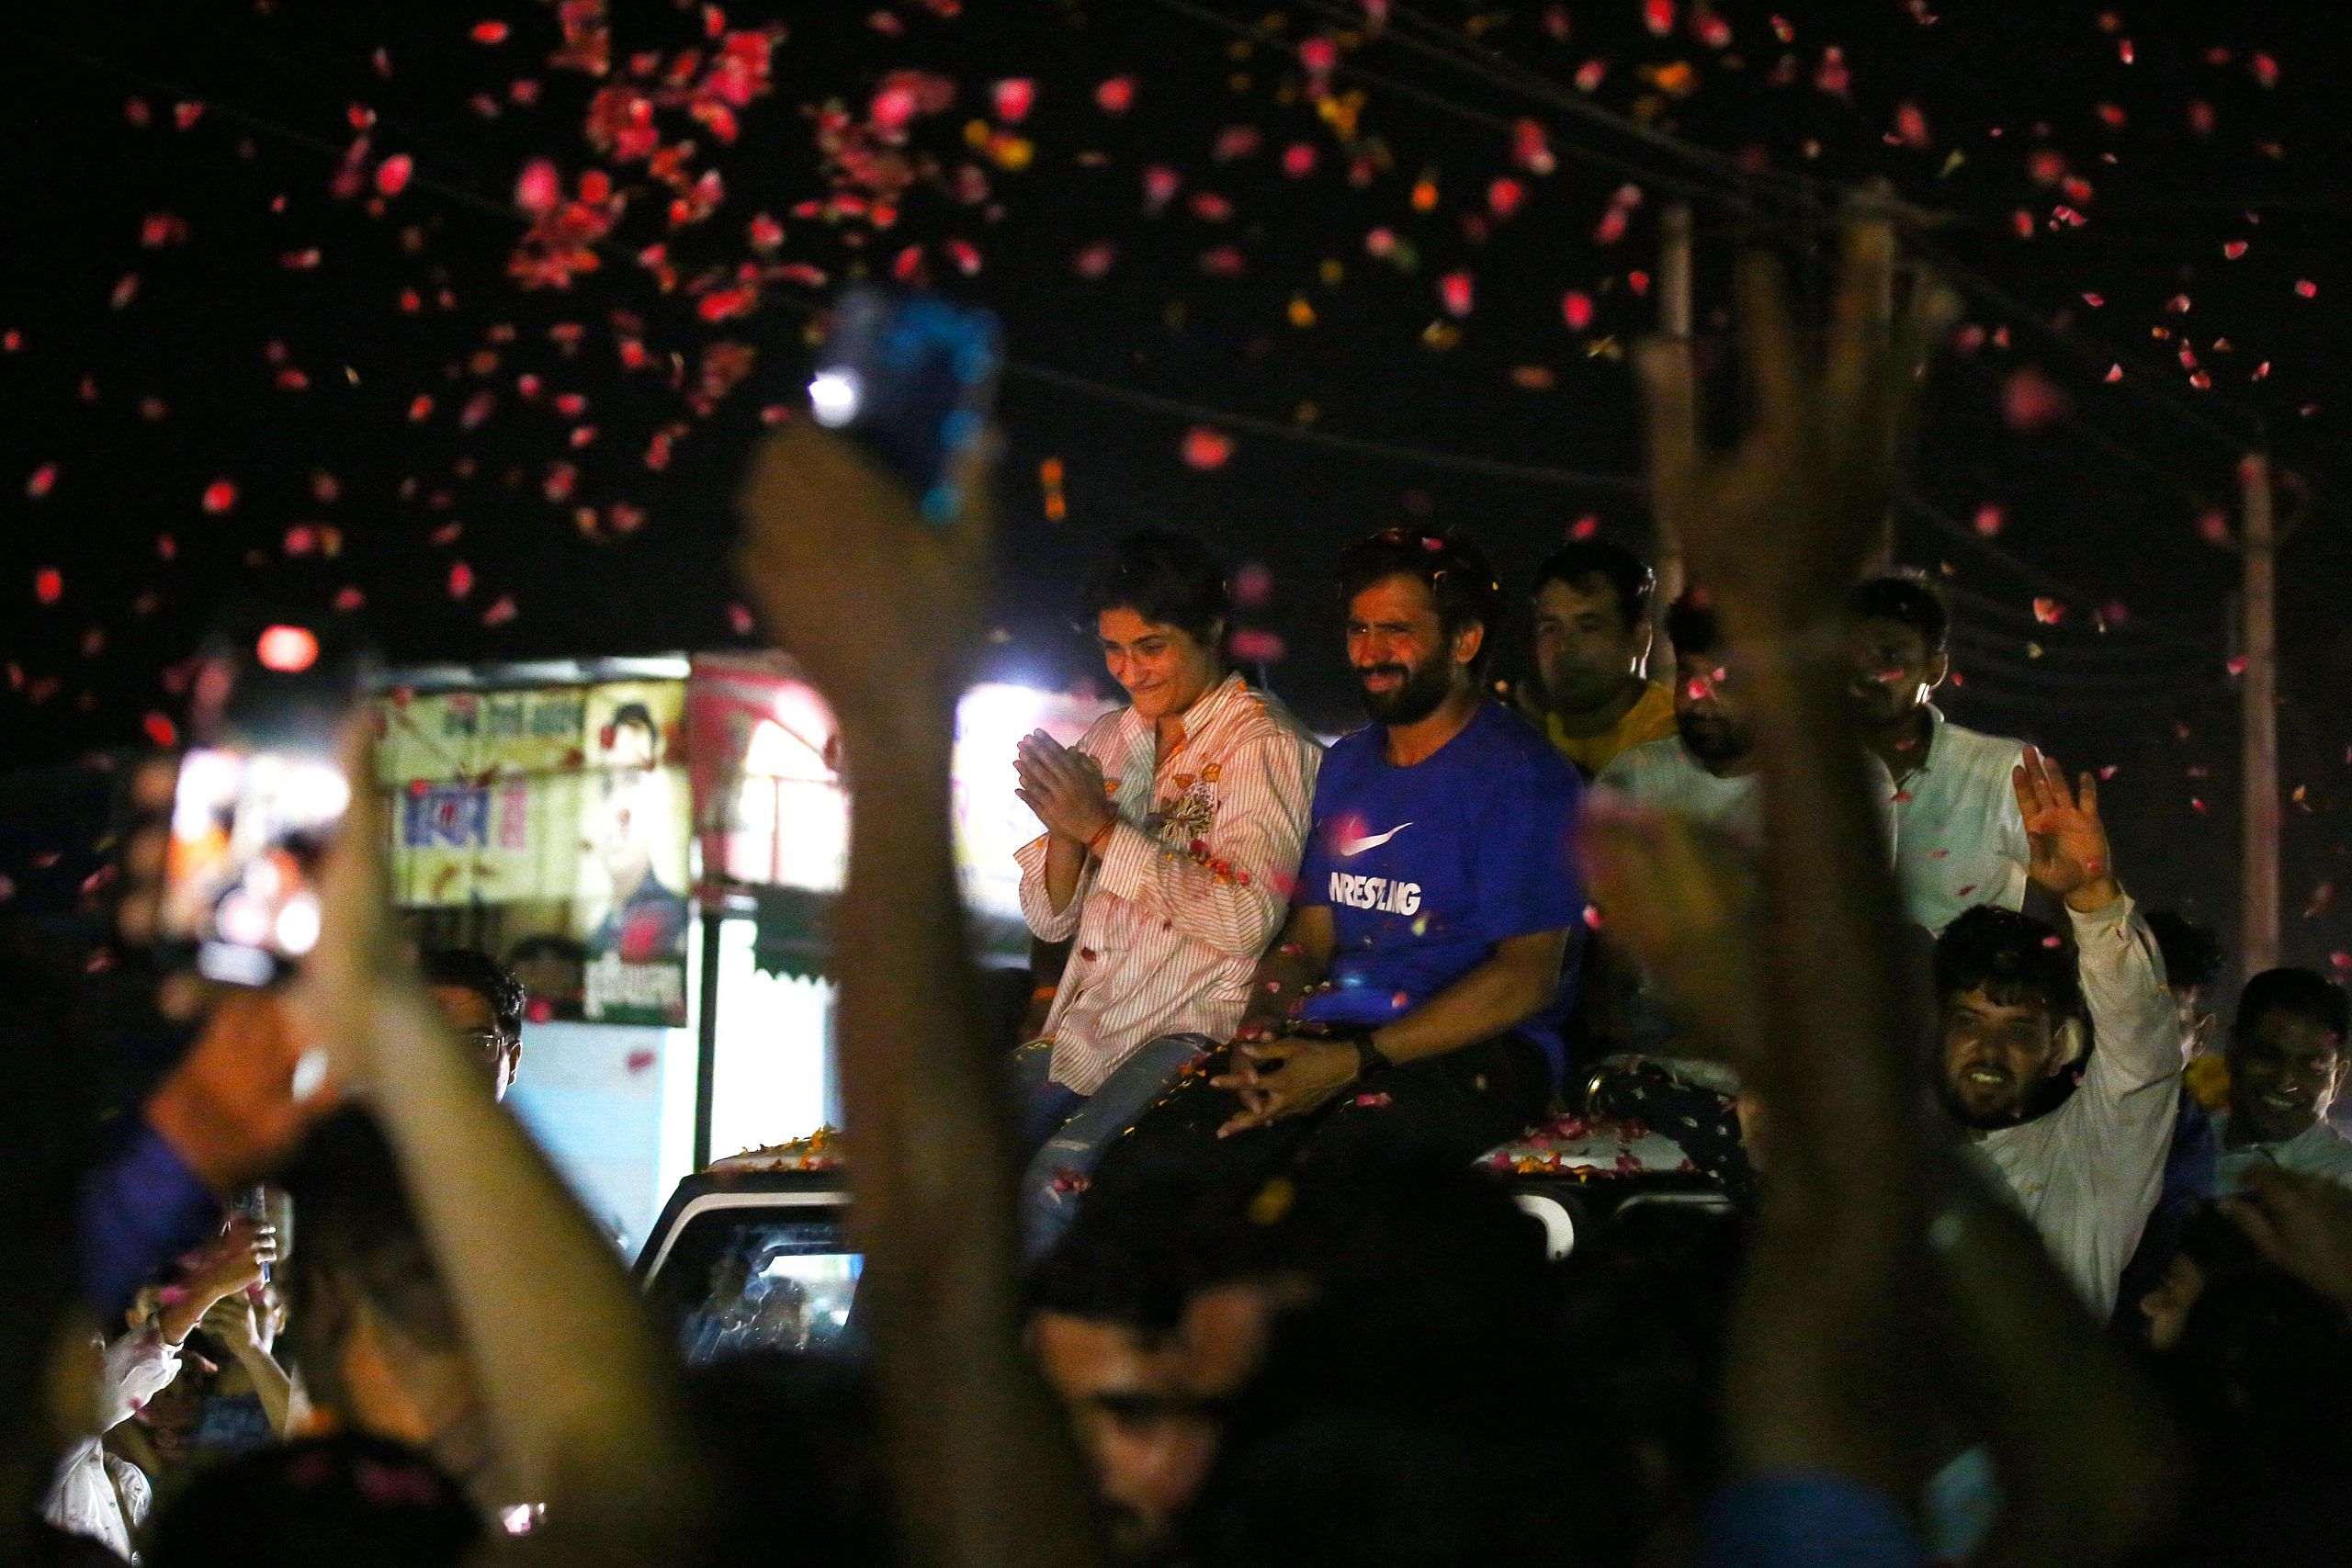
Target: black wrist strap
(1368,1057)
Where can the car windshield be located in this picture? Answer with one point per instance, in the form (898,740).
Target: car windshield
(773,1285)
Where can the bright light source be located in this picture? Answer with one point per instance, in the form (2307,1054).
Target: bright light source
(834,397)
(298,925)
(289,650)
(244,919)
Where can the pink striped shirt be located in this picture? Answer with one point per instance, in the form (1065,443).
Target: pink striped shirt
(1192,885)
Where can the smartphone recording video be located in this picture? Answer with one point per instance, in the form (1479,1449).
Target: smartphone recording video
(913,378)
(259,800)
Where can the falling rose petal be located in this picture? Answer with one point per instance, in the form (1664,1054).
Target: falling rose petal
(1658,16)
(1576,308)
(1236,143)
(48,585)
(461,581)
(392,174)
(1989,520)
(1205,448)
(2307,288)
(1505,195)
(2030,401)
(1530,146)
(498,613)
(2048,611)
(219,496)
(740,619)
(161,733)
(489,32)
(1455,290)
(43,480)
(126,290)
(1095,260)
(348,600)
(539,188)
(1160,184)
(1014,97)
(1255,645)
(1299,159)
(1116,96)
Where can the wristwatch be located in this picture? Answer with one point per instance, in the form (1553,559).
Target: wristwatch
(1368,1057)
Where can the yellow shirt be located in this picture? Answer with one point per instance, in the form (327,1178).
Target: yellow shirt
(1650,718)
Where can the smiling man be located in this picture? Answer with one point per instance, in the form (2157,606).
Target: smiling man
(2019,1008)
(1958,839)
(1414,998)
(2286,1057)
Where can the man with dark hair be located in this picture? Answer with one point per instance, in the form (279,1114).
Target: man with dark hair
(370,1322)
(2018,1008)
(2286,1061)
(1172,830)
(1146,1318)
(1958,839)
(1706,770)
(1414,998)
(483,1002)
(1592,649)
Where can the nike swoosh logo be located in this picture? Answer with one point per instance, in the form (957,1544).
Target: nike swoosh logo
(1348,847)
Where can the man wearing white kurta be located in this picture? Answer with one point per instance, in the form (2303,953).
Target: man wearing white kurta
(1959,841)
(2085,1167)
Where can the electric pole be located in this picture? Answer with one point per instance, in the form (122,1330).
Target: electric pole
(2258,918)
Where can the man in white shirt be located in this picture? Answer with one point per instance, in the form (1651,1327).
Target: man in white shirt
(1173,831)
(2285,1060)
(1959,841)
(1706,770)
(2017,1011)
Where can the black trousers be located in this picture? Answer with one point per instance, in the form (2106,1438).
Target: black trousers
(1448,1108)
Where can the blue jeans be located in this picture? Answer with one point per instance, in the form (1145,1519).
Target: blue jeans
(1067,1133)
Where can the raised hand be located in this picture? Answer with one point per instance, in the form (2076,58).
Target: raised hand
(1779,528)
(2071,857)
(882,606)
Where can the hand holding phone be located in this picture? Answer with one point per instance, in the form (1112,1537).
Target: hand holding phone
(259,798)
(911,378)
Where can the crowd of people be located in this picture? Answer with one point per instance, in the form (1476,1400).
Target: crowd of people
(2005,1260)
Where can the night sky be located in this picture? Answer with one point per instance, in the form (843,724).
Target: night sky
(1242,299)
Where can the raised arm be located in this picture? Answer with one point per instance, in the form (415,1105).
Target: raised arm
(881,607)
(590,1419)
(2137,1033)
(1823,1369)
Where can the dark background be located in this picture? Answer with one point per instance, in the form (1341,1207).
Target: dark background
(2096,620)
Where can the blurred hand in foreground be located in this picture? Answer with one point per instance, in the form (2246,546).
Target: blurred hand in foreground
(1781,528)
(881,606)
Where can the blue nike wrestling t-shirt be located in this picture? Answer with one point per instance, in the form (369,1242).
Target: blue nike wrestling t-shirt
(1426,868)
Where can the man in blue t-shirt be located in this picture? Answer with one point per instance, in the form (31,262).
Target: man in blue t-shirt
(1414,999)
